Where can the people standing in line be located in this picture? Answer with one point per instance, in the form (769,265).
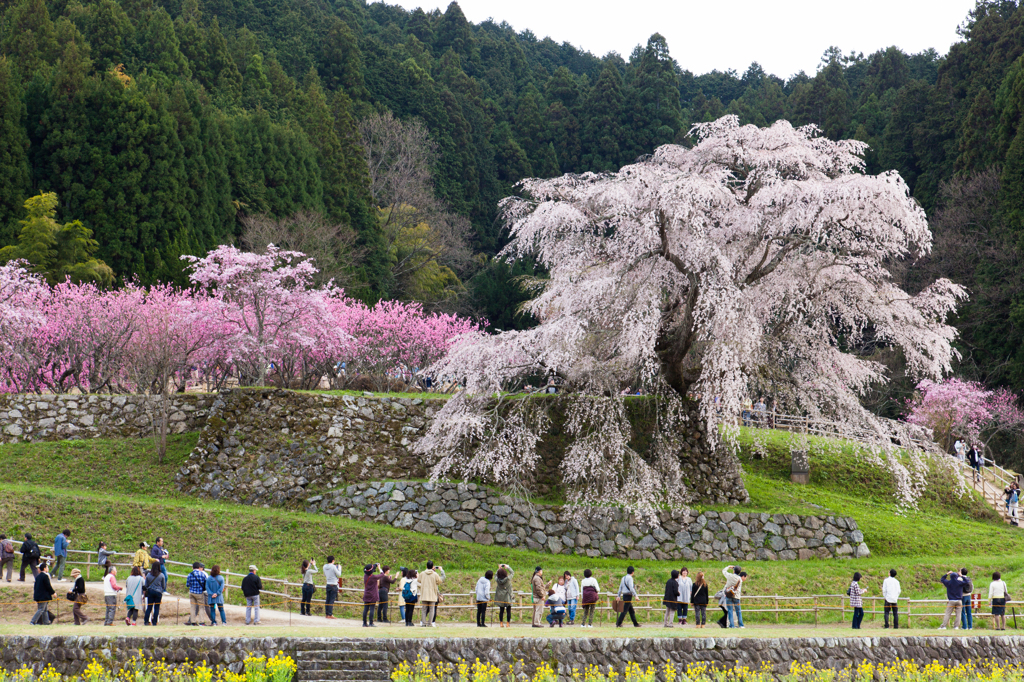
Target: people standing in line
(967,613)
(572,596)
(142,559)
(671,599)
(384,583)
(410,594)
(29,557)
(699,598)
(42,594)
(589,591)
(891,590)
(856,600)
(251,587)
(60,553)
(6,556)
(430,593)
(110,590)
(159,554)
(196,583)
(103,557)
(156,585)
(998,593)
(733,588)
(539,590)
(78,589)
(685,593)
(133,595)
(370,582)
(331,576)
(954,585)
(483,596)
(627,592)
(308,588)
(503,595)
(215,595)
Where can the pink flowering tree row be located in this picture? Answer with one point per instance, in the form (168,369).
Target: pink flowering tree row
(254,318)
(955,408)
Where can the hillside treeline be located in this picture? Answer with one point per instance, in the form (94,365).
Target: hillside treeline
(168,126)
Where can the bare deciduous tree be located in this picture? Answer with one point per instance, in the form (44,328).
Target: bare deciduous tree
(419,229)
(331,246)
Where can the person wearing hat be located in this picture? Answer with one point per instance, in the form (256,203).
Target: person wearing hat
(196,582)
(251,586)
(370,592)
(78,589)
(142,558)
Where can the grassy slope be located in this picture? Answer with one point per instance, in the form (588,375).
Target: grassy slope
(116,492)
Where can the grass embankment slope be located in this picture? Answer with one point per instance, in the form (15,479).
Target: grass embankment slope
(116,492)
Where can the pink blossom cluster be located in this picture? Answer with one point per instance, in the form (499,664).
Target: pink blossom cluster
(254,318)
(964,409)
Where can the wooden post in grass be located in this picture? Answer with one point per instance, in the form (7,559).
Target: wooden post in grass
(777,609)
(799,467)
(815,610)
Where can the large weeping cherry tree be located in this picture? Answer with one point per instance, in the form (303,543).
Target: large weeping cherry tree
(753,261)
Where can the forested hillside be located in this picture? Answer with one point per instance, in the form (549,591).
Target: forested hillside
(166,125)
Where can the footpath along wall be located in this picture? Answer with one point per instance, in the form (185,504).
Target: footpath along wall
(70,655)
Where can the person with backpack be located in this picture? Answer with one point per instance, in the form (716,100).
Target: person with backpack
(156,585)
(503,595)
(410,587)
(671,599)
(77,593)
(308,588)
(60,553)
(699,598)
(30,557)
(589,591)
(6,556)
(42,594)
(483,597)
(627,593)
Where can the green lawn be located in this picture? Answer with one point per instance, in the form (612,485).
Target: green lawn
(115,491)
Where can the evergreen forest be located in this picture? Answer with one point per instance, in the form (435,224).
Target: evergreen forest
(167,127)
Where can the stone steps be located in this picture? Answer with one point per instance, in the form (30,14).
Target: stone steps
(343,661)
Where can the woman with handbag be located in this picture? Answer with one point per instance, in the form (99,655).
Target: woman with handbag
(133,595)
(998,593)
(699,597)
(78,596)
(156,585)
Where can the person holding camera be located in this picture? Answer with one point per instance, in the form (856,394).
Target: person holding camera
(370,593)
(308,588)
(430,593)
(954,584)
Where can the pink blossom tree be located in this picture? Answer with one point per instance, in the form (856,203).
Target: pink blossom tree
(23,296)
(966,409)
(264,304)
(753,261)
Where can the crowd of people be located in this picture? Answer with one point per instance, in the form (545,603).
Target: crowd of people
(959,609)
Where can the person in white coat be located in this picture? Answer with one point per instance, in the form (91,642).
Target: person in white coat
(890,594)
(483,596)
(685,592)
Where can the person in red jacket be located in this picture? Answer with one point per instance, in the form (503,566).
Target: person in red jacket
(371,592)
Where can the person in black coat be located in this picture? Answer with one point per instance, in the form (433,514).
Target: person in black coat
(78,590)
(42,595)
(699,597)
(29,556)
(671,599)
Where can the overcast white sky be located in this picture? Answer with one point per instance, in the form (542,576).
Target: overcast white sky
(785,36)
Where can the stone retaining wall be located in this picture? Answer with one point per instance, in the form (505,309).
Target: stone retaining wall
(28,417)
(70,655)
(474,513)
(277,447)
